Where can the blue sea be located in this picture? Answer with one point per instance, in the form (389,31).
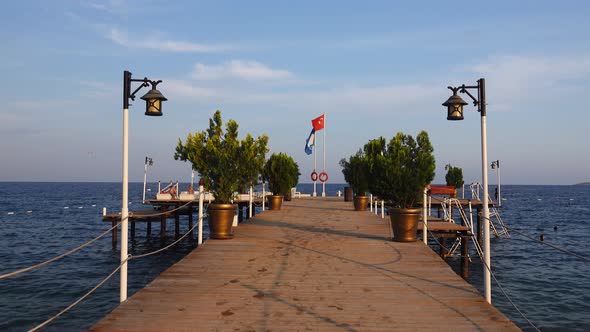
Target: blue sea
(42,220)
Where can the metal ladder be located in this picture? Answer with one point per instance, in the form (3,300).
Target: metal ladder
(494,213)
(447,205)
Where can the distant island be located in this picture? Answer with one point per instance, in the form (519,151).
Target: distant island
(582,184)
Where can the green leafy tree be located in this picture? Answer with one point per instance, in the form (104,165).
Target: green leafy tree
(224,162)
(399,171)
(454,176)
(281,172)
(356,172)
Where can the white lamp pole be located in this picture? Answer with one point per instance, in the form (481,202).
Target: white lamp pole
(455,112)
(153,108)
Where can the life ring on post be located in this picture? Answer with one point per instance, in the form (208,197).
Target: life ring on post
(314,176)
(323,177)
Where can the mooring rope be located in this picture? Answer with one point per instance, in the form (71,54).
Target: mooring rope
(565,251)
(129,258)
(163,212)
(81,298)
(58,257)
(497,283)
(170,245)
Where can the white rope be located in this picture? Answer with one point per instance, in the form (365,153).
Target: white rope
(498,284)
(58,257)
(130,257)
(80,299)
(109,276)
(168,246)
(565,251)
(162,213)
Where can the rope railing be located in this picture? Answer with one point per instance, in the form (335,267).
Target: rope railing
(60,256)
(129,258)
(164,212)
(80,299)
(565,251)
(168,246)
(497,283)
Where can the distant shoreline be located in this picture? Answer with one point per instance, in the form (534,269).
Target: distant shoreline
(582,184)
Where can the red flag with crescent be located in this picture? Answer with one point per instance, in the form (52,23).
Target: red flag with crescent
(318,123)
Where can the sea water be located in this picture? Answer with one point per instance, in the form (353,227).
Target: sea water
(42,220)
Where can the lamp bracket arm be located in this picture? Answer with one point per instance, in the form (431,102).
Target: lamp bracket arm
(145,84)
(464,90)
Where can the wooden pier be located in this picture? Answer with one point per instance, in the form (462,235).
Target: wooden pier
(315,265)
(167,209)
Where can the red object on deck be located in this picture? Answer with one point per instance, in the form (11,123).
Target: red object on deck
(442,190)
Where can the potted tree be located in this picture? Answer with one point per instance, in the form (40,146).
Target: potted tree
(355,171)
(224,163)
(282,174)
(454,177)
(399,173)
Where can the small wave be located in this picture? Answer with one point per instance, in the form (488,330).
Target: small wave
(93,205)
(10,213)
(66,207)
(80,207)
(29,211)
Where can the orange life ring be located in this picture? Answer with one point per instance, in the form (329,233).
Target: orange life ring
(314,176)
(323,177)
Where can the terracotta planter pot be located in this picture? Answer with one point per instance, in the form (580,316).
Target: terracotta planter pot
(347,194)
(221,217)
(360,203)
(275,202)
(404,224)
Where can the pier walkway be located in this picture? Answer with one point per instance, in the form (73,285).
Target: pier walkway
(315,265)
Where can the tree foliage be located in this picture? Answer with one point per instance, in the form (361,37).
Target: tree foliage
(399,171)
(225,163)
(356,172)
(281,172)
(454,176)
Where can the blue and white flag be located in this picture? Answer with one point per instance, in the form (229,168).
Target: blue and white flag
(310,142)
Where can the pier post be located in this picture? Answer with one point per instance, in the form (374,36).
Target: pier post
(200,220)
(114,232)
(250,205)
(163,225)
(464,256)
(176,224)
(190,219)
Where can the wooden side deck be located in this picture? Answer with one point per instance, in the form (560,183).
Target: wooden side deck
(315,265)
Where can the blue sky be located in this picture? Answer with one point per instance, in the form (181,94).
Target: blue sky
(374,67)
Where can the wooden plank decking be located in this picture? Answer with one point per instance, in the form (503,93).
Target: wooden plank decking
(316,265)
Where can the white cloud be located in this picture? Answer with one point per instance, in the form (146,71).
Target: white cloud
(121,38)
(399,99)
(524,81)
(248,70)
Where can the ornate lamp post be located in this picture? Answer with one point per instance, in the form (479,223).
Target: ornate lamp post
(496,165)
(455,112)
(153,100)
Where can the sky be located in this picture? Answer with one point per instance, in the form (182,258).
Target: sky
(374,68)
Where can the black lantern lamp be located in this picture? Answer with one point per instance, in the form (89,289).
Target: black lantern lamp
(454,106)
(455,103)
(153,99)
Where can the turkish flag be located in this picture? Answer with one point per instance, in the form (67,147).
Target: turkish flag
(318,123)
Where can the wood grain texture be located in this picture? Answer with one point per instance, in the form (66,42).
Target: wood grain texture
(315,265)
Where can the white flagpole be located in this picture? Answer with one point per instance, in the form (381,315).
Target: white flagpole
(324,168)
(314,165)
